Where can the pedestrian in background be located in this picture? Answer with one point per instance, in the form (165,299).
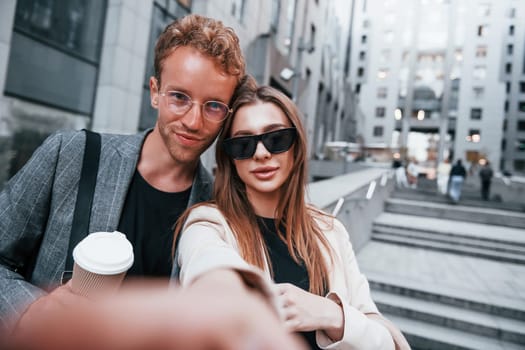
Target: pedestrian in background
(259,218)
(485,176)
(400,173)
(443,172)
(458,173)
(412,172)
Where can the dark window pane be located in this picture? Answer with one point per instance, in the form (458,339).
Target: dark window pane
(475,113)
(378,131)
(74,26)
(40,73)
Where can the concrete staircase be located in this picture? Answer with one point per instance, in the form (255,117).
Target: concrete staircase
(450,276)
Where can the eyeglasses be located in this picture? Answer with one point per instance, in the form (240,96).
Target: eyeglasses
(243,147)
(179,103)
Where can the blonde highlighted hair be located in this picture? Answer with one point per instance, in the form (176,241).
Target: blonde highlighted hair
(301,233)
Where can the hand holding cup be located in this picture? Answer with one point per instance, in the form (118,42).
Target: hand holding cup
(101,262)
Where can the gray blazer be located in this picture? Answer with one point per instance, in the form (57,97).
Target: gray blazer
(37,204)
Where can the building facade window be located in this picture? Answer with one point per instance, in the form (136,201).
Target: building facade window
(522,87)
(362,55)
(382,92)
(357,88)
(511,30)
(520,145)
(479,92)
(510,49)
(237,10)
(380,112)
(474,135)
(363,39)
(483,30)
(289,26)
(360,71)
(66,32)
(521,125)
(507,87)
(476,113)
(479,72)
(508,68)
(378,131)
(484,10)
(388,36)
(276,10)
(382,73)
(481,51)
(519,165)
(521,106)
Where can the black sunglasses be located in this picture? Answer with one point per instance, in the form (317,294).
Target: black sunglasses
(243,147)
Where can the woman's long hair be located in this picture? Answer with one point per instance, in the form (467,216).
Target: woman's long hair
(301,232)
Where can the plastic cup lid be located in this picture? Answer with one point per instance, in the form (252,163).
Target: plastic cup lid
(104,253)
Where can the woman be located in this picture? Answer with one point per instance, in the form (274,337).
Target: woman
(259,218)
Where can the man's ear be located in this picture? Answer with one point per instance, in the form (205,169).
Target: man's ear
(154,92)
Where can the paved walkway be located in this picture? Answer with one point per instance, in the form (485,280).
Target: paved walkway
(466,277)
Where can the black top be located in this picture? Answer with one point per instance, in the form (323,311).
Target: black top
(458,170)
(148,220)
(285,269)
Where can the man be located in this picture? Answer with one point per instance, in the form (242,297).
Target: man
(144,181)
(458,173)
(485,175)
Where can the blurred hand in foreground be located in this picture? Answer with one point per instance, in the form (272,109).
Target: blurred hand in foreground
(211,314)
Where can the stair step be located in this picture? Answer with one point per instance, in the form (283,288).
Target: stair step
(469,321)
(476,231)
(472,200)
(497,306)
(428,336)
(456,212)
(453,238)
(450,247)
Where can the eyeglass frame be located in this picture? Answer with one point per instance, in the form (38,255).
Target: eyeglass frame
(228,109)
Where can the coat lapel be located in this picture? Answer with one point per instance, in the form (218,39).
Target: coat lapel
(118,162)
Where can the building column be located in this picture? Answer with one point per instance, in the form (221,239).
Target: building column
(412,64)
(7,17)
(445,101)
(122,66)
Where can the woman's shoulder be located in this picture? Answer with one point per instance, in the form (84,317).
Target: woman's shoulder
(204,212)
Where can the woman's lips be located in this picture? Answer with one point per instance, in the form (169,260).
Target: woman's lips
(265,173)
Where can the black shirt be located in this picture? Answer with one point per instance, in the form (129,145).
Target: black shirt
(148,220)
(285,269)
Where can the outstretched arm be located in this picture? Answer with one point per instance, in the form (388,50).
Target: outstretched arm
(216,312)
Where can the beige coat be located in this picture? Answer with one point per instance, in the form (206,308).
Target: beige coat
(208,243)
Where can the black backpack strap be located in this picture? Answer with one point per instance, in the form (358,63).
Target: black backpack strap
(86,189)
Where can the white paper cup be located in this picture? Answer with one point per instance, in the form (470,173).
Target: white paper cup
(101,262)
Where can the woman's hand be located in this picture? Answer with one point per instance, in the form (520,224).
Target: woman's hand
(304,311)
